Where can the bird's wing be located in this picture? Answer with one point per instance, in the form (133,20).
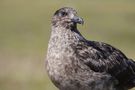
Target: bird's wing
(101,57)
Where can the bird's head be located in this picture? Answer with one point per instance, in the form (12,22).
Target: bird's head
(66,17)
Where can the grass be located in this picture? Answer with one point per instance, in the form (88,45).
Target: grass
(25,30)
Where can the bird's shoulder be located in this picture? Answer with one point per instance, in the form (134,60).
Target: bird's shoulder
(101,57)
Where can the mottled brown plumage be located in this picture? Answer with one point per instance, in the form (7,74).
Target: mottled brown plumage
(74,63)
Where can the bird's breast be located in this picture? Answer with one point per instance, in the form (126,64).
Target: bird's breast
(58,59)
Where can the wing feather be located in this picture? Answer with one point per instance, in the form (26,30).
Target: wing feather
(102,57)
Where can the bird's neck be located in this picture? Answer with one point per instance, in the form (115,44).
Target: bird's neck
(65,35)
(62,38)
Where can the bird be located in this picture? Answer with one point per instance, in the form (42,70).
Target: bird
(75,63)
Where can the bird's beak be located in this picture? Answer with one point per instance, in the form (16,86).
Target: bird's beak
(78,20)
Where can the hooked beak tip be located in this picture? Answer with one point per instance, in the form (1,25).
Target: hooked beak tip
(78,20)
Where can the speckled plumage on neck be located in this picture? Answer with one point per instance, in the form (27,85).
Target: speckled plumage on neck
(61,40)
(66,34)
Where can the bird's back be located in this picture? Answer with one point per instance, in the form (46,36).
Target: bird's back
(102,57)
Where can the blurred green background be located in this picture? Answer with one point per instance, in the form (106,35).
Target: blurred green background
(25,30)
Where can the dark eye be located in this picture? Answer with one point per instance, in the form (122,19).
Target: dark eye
(63,14)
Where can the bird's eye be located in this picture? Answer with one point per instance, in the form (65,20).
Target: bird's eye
(63,14)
